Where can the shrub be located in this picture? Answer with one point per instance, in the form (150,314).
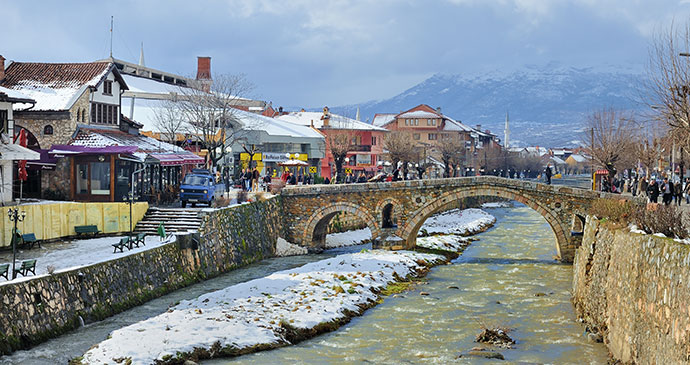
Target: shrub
(662,219)
(616,211)
(241,196)
(54,194)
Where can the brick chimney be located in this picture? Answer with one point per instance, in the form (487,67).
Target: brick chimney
(203,72)
(2,68)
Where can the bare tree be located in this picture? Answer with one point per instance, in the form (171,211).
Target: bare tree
(210,117)
(613,134)
(169,121)
(451,151)
(669,81)
(400,147)
(339,143)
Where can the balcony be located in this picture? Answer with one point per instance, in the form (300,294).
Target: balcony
(360,148)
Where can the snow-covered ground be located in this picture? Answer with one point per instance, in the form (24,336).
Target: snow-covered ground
(285,248)
(258,311)
(456,221)
(453,243)
(497,205)
(348,238)
(69,255)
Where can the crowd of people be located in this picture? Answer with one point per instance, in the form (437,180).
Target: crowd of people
(653,188)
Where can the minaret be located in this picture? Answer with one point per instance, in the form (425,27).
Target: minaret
(506,131)
(141,55)
(357,117)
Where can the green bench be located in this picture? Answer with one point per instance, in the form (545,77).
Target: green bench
(124,242)
(30,240)
(4,270)
(139,239)
(93,229)
(28,266)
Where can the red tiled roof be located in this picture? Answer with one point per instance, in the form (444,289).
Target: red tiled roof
(54,74)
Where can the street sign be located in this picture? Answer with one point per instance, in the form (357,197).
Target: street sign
(312,169)
(348,170)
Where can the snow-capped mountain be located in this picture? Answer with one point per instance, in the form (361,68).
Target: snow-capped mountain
(548,106)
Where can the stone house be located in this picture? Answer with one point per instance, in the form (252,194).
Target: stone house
(65,94)
(9,150)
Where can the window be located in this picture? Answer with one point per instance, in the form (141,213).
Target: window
(108,87)
(100,178)
(407,122)
(416,136)
(433,136)
(3,121)
(433,122)
(48,130)
(82,178)
(416,122)
(104,113)
(373,141)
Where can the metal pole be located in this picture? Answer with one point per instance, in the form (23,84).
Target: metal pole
(13,216)
(131,197)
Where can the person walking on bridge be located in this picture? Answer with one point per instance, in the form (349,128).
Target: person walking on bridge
(653,191)
(667,190)
(547,172)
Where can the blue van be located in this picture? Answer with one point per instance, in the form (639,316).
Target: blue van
(200,187)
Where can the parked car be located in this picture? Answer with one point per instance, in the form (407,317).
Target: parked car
(200,186)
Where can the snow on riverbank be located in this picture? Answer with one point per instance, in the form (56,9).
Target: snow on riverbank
(452,243)
(263,313)
(456,221)
(349,238)
(497,205)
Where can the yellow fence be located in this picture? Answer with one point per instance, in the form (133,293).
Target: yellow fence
(56,220)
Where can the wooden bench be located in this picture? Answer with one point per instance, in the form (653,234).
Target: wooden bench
(27,266)
(30,240)
(93,229)
(124,242)
(4,270)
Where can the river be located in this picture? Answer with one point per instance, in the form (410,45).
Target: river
(507,278)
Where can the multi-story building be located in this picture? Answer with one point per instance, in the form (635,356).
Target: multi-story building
(365,145)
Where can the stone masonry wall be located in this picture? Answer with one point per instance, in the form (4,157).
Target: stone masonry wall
(634,289)
(42,307)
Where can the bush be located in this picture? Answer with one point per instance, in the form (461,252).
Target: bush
(616,211)
(241,196)
(666,219)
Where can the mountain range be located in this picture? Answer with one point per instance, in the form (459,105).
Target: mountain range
(547,105)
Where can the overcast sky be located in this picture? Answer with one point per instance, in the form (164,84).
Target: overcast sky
(311,53)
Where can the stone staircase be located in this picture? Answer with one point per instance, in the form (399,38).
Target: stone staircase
(175,220)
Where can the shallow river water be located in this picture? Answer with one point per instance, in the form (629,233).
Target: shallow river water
(507,278)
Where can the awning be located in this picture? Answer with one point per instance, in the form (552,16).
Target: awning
(66,150)
(13,152)
(171,159)
(46,162)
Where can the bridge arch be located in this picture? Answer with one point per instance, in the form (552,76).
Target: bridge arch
(447,200)
(388,212)
(317,223)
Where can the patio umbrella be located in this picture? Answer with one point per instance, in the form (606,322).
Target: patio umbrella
(293,163)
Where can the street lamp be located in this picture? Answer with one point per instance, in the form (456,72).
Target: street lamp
(15,216)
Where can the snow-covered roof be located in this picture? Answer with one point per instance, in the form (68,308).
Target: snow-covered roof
(453,125)
(418,114)
(147,85)
(93,136)
(336,121)
(537,150)
(55,86)
(13,94)
(273,126)
(579,158)
(382,119)
(557,160)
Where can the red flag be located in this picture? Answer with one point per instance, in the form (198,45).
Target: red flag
(23,175)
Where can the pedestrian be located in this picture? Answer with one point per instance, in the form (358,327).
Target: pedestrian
(255,179)
(686,190)
(547,172)
(643,186)
(678,192)
(248,176)
(653,191)
(667,191)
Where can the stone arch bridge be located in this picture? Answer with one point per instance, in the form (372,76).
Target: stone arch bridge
(395,211)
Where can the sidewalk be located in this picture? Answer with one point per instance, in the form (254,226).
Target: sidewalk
(66,255)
